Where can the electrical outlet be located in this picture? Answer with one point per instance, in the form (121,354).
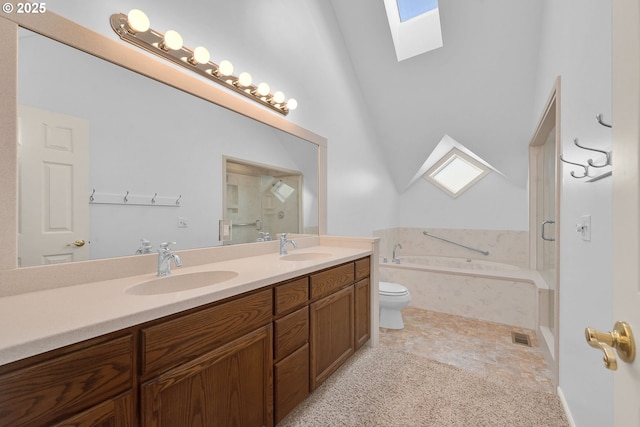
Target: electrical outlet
(183,222)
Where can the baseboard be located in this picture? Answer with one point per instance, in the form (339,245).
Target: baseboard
(565,406)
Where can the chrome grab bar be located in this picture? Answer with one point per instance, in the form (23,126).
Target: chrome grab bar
(548,239)
(426,233)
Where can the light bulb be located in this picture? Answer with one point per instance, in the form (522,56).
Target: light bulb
(292,104)
(200,56)
(138,21)
(225,68)
(263,89)
(278,97)
(244,79)
(172,40)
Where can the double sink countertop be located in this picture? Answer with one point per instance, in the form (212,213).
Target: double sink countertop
(42,320)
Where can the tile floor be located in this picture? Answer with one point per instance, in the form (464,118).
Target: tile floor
(482,347)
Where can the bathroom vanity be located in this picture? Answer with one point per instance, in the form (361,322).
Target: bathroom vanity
(246,359)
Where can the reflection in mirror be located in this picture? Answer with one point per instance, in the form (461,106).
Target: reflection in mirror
(262,201)
(154,157)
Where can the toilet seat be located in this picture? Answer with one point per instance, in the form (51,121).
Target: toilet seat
(392,289)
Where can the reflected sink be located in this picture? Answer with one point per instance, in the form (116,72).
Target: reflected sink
(306,256)
(180,282)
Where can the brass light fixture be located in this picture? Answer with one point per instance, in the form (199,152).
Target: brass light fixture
(135,28)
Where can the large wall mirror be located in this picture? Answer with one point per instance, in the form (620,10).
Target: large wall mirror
(128,157)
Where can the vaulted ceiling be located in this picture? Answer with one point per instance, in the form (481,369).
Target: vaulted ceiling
(479,88)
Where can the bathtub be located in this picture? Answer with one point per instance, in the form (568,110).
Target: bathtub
(458,263)
(469,287)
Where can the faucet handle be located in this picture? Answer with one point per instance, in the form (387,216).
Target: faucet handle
(165,245)
(283,236)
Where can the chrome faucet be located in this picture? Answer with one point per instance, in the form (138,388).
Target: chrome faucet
(145,247)
(284,242)
(393,256)
(164,257)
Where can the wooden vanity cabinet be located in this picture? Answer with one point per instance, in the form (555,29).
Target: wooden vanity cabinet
(245,361)
(86,384)
(213,367)
(331,320)
(291,346)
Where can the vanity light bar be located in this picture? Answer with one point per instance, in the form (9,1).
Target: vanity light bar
(135,29)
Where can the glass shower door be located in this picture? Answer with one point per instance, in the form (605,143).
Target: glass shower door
(546,247)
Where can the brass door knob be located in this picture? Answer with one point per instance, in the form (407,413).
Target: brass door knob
(77,243)
(620,339)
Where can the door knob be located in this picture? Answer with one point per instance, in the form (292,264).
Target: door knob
(620,339)
(77,243)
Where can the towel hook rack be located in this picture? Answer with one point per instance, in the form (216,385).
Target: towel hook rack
(590,161)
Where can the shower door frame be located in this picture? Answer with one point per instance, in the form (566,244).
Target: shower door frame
(549,121)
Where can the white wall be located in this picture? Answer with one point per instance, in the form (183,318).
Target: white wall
(577,46)
(296,47)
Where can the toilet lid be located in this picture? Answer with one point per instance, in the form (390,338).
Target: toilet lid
(388,288)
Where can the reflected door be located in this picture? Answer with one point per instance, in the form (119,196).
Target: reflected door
(53,207)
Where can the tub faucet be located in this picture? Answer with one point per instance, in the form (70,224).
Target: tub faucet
(164,257)
(393,256)
(284,242)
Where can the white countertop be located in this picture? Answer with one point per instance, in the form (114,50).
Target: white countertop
(40,321)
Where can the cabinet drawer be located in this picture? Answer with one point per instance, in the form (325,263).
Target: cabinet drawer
(331,280)
(291,332)
(177,341)
(65,385)
(291,295)
(363,268)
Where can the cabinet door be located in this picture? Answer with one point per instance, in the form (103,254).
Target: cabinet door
(291,381)
(229,386)
(332,337)
(112,413)
(362,291)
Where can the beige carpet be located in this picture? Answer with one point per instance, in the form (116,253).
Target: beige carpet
(385,387)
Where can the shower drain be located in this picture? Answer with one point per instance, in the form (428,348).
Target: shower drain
(519,338)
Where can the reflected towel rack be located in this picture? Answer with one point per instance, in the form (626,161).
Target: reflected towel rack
(257,224)
(426,233)
(129,199)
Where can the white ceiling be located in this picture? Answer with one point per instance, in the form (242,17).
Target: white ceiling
(479,88)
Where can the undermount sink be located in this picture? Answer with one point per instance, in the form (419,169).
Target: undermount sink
(180,282)
(306,256)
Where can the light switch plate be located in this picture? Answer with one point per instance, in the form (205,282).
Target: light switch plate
(586,227)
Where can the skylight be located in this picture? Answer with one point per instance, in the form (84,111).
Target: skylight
(411,8)
(453,168)
(414,25)
(456,172)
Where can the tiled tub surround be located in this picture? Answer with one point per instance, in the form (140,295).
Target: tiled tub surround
(64,304)
(497,288)
(504,246)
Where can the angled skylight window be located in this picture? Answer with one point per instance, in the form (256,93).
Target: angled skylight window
(456,172)
(411,8)
(414,25)
(453,168)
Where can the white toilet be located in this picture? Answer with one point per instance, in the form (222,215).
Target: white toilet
(393,297)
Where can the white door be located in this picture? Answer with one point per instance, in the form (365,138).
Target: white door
(53,207)
(626,199)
